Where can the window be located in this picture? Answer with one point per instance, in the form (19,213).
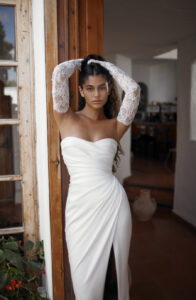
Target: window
(18,211)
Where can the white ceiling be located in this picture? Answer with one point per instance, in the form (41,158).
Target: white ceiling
(144,28)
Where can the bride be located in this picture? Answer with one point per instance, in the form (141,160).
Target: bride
(98,214)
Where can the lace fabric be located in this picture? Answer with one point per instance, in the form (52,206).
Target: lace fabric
(129,107)
(132,91)
(60,88)
(60,84)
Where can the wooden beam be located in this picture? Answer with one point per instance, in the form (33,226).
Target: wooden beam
(10,177)
(83,28)
(8,63)
(8,2)
(11,230)
(9,122)
(27,121)
(63,54)
(57,230)
(94,27)
(73,48)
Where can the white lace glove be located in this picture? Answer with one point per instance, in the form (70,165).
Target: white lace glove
(132,90)
(60,83)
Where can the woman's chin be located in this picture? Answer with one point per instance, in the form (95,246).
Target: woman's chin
(97,104)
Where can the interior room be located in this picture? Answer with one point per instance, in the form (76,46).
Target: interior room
(153,42)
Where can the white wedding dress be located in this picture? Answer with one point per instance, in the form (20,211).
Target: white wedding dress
(97,215)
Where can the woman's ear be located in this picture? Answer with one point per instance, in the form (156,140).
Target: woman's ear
(81,91)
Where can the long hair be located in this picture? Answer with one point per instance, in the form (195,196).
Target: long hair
(111,107)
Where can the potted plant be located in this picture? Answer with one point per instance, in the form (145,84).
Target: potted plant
(21,269)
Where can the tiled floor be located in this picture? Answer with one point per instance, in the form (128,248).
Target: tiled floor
(163,250)
(163,258)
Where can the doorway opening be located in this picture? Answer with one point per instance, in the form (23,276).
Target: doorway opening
(153,135)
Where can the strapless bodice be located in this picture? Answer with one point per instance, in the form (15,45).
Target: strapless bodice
(83,157)
(97,215)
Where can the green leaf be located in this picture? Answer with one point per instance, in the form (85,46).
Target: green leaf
(11,238)
(40,244)
(39,297)
(29,245)
(35,265)
(2,256)
(3,278)
(11,245)
(14,272)
(32,279)
(15,259)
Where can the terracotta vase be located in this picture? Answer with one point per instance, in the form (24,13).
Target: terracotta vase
(144,205)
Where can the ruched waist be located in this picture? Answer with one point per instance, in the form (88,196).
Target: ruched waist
(89,169)
(90,176)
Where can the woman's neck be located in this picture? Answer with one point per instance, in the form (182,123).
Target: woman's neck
(93,114)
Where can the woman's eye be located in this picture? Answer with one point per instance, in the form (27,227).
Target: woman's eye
(89,89)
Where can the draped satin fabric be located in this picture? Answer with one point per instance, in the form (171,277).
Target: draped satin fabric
(97,215)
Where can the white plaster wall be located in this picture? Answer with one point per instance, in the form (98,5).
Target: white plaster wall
(163,82)
(160,79)
(185,174)
(124,168)
(141,72)
(41,136)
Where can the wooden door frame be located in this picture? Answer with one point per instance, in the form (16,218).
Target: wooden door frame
(51,54)
(76,32)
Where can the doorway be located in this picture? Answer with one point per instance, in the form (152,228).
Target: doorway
(153,138)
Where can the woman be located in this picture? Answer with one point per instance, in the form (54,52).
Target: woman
(97,211)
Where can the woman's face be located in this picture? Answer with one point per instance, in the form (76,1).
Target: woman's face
(95,90)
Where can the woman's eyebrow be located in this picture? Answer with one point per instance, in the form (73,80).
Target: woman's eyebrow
(91,85)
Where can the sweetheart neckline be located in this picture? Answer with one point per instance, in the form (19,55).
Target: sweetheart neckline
(91,142)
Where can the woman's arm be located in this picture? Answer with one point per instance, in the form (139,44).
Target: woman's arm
(131,99)
(60,85)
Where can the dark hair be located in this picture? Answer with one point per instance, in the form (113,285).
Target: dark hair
(112,105)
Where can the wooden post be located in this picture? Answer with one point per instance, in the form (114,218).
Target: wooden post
(79,24)
(54,154)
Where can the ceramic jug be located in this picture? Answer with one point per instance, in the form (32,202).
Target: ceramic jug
(144,205)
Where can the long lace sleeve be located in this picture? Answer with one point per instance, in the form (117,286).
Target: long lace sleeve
(132,90)
(60,83)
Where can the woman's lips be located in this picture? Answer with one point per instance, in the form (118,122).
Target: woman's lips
(96,101)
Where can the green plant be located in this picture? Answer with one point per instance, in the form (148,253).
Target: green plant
(21,269)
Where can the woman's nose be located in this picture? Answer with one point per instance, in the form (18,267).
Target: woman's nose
(96,92)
